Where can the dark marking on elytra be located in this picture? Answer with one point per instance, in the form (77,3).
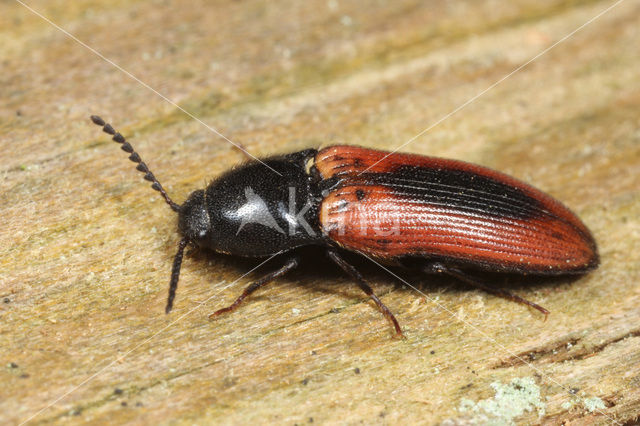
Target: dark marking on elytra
(360,194)
(439,186)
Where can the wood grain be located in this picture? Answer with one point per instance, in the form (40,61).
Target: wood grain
(86,246)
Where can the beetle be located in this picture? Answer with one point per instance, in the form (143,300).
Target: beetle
(440,215)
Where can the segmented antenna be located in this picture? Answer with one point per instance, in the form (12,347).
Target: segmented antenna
(175,273)
(126,147)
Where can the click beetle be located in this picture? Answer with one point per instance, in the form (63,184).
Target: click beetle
(450,216)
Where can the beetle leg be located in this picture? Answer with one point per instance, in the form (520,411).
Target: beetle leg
(291,264)
(357,277)
(457,273)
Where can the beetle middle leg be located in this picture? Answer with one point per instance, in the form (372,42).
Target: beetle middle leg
(438,267)
(289,265)
(357,277)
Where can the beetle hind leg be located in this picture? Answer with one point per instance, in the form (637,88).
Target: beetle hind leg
(289,265)
(457,273)
(357,277)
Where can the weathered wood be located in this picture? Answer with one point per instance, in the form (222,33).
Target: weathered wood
(86,246)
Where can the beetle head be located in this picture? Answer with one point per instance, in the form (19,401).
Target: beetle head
(193,220)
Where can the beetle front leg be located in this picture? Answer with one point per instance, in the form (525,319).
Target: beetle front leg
(291,264)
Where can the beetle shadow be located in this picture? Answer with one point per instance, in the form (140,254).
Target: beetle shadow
(317,268)
(513,283)
(318,273)
(315,272)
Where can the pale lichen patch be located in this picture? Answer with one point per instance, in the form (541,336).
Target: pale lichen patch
(510,401)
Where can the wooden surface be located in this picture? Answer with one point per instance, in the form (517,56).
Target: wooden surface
(86,246)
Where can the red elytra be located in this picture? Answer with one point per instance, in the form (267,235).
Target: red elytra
(389,206)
